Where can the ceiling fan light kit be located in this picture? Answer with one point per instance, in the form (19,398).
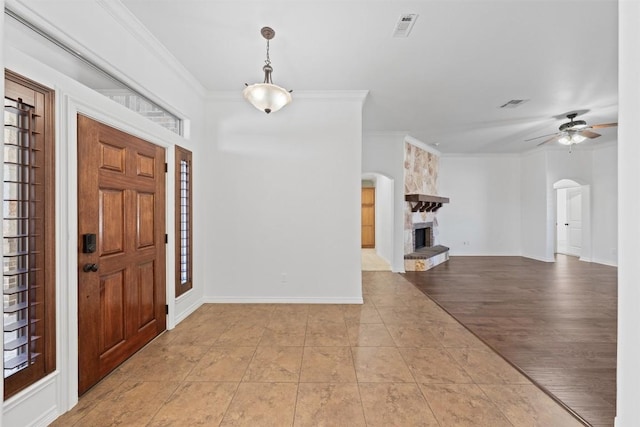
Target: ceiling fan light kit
(266,96)
(571,139)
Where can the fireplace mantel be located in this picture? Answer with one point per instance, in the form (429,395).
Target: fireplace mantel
(425,202)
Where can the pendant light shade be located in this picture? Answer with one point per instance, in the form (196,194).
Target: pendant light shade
(266,96)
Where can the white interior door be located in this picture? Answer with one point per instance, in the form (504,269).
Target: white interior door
(561,221)
(574,221)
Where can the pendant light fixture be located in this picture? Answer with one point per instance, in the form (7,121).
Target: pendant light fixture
(266,96)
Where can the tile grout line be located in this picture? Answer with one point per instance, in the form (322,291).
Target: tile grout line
(304,345)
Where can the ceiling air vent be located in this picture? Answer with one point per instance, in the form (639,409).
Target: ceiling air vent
(405,24)
(514,103)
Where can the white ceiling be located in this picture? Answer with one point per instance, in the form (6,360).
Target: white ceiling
(442,85)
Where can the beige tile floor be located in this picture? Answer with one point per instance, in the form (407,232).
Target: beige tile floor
(396,360)
(372,262)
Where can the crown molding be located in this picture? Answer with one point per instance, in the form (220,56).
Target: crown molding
(482,155)
(132,24)
(127,21)
(385,134)
(322,95)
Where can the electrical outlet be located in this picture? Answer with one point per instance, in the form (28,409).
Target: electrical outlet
(283,278)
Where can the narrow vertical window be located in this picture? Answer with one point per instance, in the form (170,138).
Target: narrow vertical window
(28,234)
(184,244)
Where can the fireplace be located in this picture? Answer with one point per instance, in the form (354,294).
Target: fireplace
(421,251)
(422,235)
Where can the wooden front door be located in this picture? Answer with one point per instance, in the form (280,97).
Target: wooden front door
(368,218)
(121,285)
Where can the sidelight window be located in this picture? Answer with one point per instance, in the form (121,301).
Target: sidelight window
(184,244)
(27,234)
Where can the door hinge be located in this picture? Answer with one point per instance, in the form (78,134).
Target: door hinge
(166,238)
(166,167)
(166,309)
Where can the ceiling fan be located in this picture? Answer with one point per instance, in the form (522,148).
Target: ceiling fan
(573,132)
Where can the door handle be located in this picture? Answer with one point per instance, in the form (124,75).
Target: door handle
(566,223)
(90,267)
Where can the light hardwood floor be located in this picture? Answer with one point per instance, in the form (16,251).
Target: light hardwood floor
(554,321)
(398,359)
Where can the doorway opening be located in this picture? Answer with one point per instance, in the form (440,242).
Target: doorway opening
(572,219)
(377,222)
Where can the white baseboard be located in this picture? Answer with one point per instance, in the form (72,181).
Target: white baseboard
(539,258)
(27,408)
(46,418)
(188,311)
(453,253)
(605,262)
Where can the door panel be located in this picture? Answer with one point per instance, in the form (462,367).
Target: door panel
(112,158)
(574,219)
(146,291)
(111,211)
(561,221)
(146,225)
(112,309)
(368,221)
(121,194)
(146,166)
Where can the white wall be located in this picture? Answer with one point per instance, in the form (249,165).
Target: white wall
(628,372)
(284,200)
(384,154)
(384,217)
(604,202)
(594,167)
(506,205)
(483,215)
(576,166)
(533,204)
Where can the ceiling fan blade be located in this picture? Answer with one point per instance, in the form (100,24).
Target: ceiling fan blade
(541,136)
(548,140)
(588,134)
(604,125)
